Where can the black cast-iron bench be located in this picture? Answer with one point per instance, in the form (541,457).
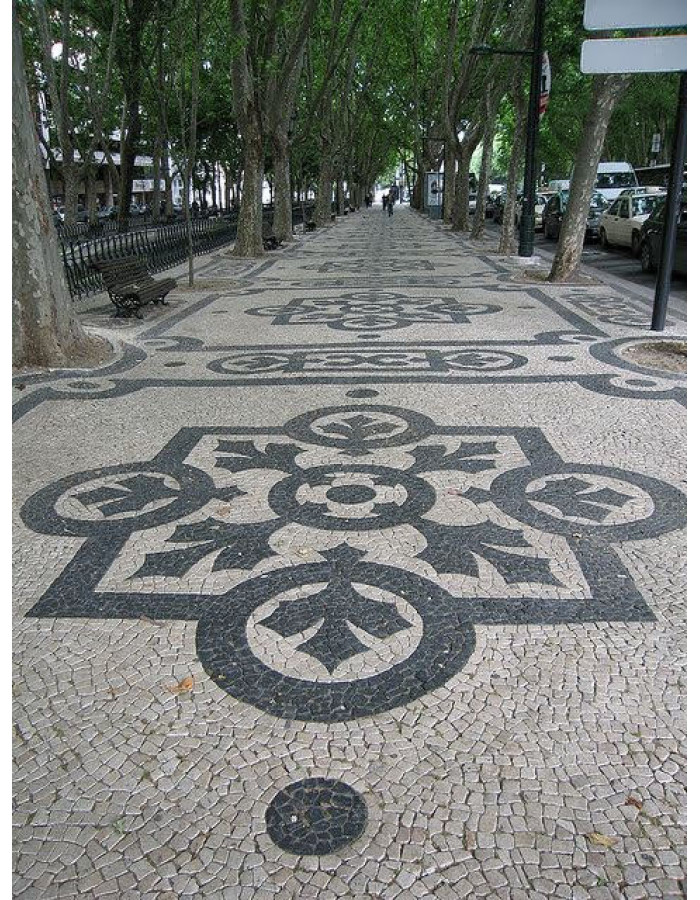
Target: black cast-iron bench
(130,285)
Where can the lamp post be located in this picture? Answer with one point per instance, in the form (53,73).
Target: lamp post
(527,220)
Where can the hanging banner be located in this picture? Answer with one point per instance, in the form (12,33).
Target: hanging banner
(545,83)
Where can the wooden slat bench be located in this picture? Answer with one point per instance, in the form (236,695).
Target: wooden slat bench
(130,285)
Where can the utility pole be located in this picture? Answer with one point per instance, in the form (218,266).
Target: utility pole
(527,220)
(672,211)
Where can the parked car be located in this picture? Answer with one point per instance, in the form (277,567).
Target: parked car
(540,203)
(652,231)
(81,214)
(641,190)
(500,205)
(556,207)
(472,201)
(107,212)
(621,223)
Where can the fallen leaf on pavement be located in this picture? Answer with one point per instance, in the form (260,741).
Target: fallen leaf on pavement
(601,839)
(632,801)
(185,685)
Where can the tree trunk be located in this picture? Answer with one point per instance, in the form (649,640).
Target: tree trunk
(449,184)
(188,228)
(324,198)
(417,199)
(506,244)
(155,199)
(71,185)
(607,91)
(484,175)
(128,156)
(249,241)
(90,194)
(108,190)
(227,189)
(168,179)
(282,218)
(460,216)
(45,331)
(339,195)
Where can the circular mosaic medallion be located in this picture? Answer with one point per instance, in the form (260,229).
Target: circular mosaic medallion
(359,429)
(609,503)
(333,641)
(131,496)
(351,498)
(316,816)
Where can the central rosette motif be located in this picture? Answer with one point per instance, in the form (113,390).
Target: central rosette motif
(351,497)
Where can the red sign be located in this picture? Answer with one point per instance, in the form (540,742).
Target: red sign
(545,84)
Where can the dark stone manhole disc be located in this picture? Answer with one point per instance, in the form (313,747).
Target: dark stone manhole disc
(316,816)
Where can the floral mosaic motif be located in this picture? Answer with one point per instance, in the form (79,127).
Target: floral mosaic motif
(373,310)
(431,360)
(337,564)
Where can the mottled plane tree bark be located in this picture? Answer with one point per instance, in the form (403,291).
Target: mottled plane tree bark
(607,91)
(45,331)
(506,243)
(131,62)
(267,42)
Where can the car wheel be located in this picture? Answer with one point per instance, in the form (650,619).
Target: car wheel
(635,243)
(646,257)
(603,239)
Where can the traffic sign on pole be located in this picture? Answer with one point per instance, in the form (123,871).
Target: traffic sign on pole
(649,54)
(609,15)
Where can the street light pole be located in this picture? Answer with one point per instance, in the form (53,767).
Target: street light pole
(673,207)
(527,220)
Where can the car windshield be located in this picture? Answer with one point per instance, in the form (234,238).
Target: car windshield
(641,206)
(598,201)
(615,180)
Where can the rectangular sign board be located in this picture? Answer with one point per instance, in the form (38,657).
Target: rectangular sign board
(609,15)
(652,54)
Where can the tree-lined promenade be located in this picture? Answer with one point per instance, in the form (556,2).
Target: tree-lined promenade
(316,99)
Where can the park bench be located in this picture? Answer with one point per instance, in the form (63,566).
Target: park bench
(130,285)
(271,243)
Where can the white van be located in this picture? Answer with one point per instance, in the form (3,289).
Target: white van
(613,177)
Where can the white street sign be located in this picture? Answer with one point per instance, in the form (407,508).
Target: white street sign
(652,54)
(609,15)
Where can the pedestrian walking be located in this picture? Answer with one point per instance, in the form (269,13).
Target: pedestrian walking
(385,198)
(390,205)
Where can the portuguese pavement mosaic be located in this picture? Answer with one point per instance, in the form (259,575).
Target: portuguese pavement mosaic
(359,574)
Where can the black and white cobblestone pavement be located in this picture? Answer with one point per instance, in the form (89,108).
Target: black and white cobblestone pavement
(360,573)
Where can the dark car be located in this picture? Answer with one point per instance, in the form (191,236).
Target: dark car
(499,203)
(556,207)
(652,233)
